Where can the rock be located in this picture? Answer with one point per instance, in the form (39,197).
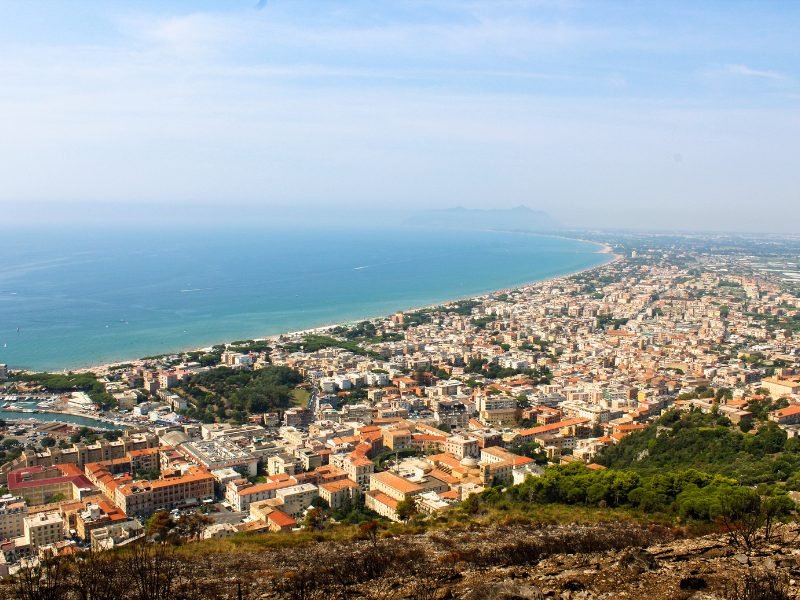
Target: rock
(637,561)
(505,590)
(742,558)
(569,572)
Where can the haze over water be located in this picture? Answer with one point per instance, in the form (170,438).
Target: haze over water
(74,299)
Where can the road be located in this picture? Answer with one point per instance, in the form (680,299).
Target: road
(226,516)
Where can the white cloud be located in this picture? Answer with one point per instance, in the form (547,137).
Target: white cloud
(190,34)
(745,71)
(261,31)
(265,108)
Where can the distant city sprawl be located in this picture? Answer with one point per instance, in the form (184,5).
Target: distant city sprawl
(663,386)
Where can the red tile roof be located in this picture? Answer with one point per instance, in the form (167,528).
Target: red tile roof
(281,519)
(552,427)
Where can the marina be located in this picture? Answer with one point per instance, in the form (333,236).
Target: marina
(14,415)
(35,408)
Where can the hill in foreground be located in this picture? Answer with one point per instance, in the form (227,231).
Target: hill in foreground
(601,560)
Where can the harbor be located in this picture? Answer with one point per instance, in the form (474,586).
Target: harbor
(41,408)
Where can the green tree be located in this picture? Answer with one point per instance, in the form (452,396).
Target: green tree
(530,449)
(159,525)
(315,519)
(191,525)
(406,509)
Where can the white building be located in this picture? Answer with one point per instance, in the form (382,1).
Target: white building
(13,511)
(221,453)
(42,529)
(119,534)
(297,498)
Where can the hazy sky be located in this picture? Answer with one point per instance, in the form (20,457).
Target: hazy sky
(629,114)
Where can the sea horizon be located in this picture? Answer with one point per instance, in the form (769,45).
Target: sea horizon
(66,304)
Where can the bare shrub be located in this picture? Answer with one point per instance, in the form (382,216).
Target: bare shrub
(758,585)
(45,580)
(300,584)
(430,577)
(527,546)
(153,572)
(99,577)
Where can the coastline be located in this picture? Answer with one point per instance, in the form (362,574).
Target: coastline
(55,416)
(604,249)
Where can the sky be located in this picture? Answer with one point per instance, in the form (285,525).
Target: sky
(637,114)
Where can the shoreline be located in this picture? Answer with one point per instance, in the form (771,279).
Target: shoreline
(54,413)
(604,249)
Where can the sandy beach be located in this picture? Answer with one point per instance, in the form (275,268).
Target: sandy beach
(605,249)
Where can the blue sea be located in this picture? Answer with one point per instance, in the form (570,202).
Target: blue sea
(75,298)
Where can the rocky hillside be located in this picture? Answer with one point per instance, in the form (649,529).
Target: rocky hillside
(580,561)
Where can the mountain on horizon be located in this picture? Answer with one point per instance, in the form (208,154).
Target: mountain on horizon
(519,218)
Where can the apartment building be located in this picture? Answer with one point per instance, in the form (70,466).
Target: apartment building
(497,465)
(397,439)
(462,447)
(190,487)
(358,468)
(297,499)
(781,386)
(386,491)
(42,529)
(118,534)
(241,494)
(13,511)
(337,493)
(80,454)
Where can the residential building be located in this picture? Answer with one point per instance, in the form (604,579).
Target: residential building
(42,529)
(338,493)
(13,511)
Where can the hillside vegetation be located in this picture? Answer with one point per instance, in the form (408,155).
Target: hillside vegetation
(709,443)
(227,393)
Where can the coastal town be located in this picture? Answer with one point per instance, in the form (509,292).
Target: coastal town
(401,418)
